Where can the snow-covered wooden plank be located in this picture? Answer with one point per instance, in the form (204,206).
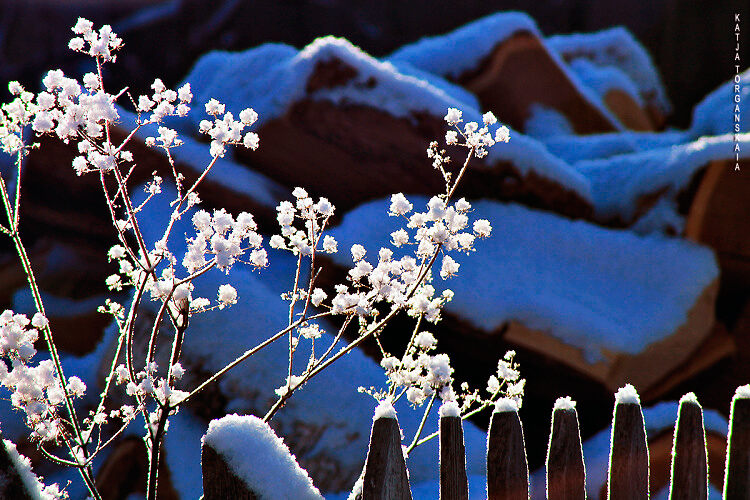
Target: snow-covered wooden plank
(507,467)
(566,472)
(453,481)
(689,475)
(628,459)
(385,475)
(737,474)
(243,458)
(219,482)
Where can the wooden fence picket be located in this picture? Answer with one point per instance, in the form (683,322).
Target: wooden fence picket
(628,459)
(689,477)
(507,468)
(454,484)
(737,473)
(385,469)
(566,473)
(219,482)
(385,476)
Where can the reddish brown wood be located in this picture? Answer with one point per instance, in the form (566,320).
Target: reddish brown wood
(628,459)
(219,482)
(566,473)
(385,469)
(454,484)
(689,456)
(737,478)
(507,468)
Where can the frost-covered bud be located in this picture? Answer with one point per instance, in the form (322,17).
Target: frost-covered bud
(277,242)
(248,116)
(449,267)
(324,207)
(399,205)
(415,395)
(502,134)
(76,386)
(358,252)
(227,296)
(399,238)
(330,245)
(451,137)
(482,228)
(259,258)
(39,321)
(177,371)
(453,116)
(82,26)
(317,297)
(489,118)
(214,107)
(425,340)
(251,141)
(184,93)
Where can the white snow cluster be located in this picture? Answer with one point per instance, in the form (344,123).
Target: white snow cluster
(384,410)
(506,404)
(565,403)
(690,397)
(627,395)
(742,392)
(450,409)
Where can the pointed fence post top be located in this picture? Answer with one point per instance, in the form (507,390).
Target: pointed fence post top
(737,471)
(566,472)
(628,457)
(507,467)
(689,470)
(385,475)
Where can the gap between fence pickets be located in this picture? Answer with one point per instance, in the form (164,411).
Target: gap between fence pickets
(385,475)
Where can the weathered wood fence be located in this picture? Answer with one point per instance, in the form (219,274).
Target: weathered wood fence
(385,473)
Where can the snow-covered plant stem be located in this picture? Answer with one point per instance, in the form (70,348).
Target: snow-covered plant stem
(12,230)
(85,114)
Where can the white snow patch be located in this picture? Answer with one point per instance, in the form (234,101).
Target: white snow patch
(33,486)
(384,410)
(627,395)
(259,457)
(462,50)
(565,403)
(690,397)
(618,182)
(574,148)
(602,79)
(450,409)
(506,404)
(271,77)
(591,287)
(742,392)
(544,122)
(716,113)
(618,48)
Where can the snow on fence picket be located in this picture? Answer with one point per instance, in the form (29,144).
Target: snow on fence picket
(385,474)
